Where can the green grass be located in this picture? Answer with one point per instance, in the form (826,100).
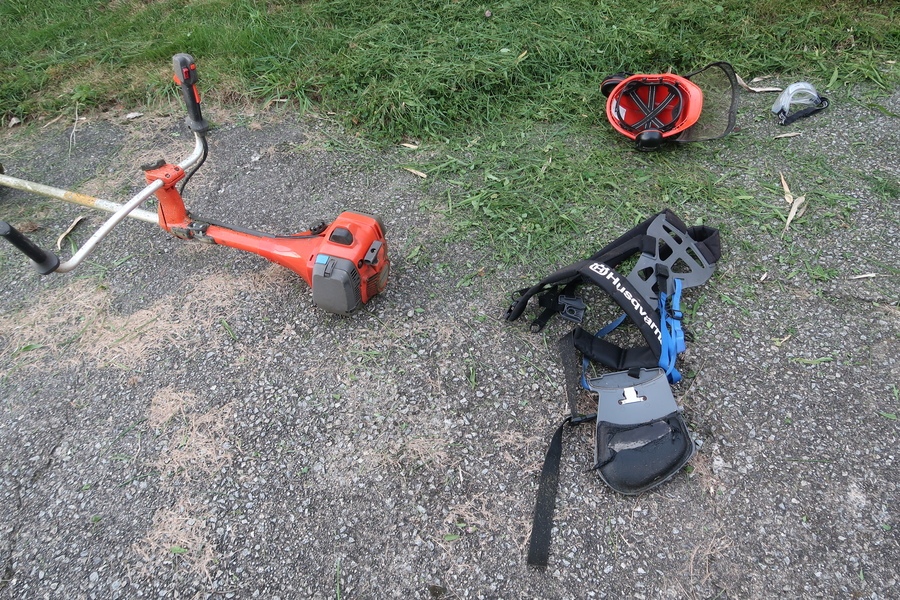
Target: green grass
(427,68)
(551,189)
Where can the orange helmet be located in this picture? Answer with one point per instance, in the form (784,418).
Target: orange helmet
(651,108)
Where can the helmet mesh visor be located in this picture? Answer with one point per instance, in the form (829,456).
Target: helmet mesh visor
(720,98)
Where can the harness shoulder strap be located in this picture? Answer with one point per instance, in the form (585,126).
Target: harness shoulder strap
(625,246)
(551,283)
(641,313)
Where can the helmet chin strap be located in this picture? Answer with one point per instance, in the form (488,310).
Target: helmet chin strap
(652,109)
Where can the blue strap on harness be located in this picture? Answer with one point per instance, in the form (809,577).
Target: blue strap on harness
(673,344)
(672,333)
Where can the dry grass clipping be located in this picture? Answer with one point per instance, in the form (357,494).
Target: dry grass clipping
(195,449)
(699,564)
(179,536)
(75,324)
(475,514)
(703,474)
(195,439)
(414,453)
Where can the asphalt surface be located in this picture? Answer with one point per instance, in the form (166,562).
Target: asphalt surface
(179,420)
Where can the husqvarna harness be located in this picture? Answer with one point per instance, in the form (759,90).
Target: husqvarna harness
(672,257)
(641,438)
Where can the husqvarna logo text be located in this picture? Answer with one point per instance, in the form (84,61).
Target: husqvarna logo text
(604,271)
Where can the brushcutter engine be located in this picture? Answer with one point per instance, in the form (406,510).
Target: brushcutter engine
(345,265)
(342,280)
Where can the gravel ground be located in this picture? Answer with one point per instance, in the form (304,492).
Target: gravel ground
(180,421)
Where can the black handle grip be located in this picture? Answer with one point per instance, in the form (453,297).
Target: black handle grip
(44,262)
(186,77)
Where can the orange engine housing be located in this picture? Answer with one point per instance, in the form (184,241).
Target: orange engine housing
(345,263)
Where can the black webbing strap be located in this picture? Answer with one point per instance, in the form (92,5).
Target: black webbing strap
(542,524)
(548,485)
(644,316)
(571,372)
(786,119)
(613,254)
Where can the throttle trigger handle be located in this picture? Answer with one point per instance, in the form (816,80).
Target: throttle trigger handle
(186,77)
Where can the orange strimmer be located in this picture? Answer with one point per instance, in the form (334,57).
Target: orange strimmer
(345,263)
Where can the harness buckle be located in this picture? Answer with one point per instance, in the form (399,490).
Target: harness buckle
(630,395)
(571,308)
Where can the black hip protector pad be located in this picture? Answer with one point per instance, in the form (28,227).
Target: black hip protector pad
(642,439)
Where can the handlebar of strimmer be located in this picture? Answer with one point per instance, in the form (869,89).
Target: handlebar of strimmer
(45,261)
(186,77)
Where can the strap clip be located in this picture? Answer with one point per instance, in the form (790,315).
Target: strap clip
(571,308)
